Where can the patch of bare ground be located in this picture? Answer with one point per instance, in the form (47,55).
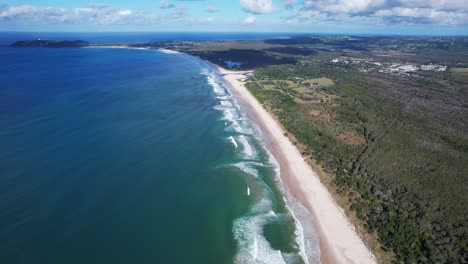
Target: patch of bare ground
(428,145)
(315,113)
(326,117)
(351,138)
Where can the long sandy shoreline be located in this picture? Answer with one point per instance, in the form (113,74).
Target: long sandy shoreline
(339,241)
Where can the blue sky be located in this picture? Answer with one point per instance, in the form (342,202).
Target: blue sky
(436,17)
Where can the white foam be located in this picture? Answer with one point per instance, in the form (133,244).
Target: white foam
(299,232)
(311,253)
(167,51)
(235,127)
(255,251)
(233,141)
(245,167)
(211,78)
(248,229)
(246,147)
(253,246)
(228,115)
(228,106)
(226,103)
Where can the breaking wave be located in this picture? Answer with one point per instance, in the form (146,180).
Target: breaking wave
(254,162)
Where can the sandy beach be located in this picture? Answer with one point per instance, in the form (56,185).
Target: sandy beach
(119,47)
(339,241)
(168,51)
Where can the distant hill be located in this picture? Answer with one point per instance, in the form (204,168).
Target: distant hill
(294,41)
(50,44)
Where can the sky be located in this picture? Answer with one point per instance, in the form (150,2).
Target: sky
(420,17)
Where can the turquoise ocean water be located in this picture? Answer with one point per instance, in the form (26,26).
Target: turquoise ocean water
(135,156)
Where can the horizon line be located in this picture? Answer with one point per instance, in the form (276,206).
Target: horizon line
(251,32)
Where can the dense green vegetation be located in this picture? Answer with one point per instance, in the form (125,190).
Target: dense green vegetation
(50,44)
(246,58)
(403,173)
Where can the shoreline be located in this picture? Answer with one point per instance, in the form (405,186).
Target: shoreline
(167,51)
(338,239)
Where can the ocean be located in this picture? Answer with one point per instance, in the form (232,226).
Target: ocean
(135,156)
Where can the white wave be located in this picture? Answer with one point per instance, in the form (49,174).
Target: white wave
(228,115)
(255,251)
(253,246)
(226,103)
(245,167)
(167,51)
(235,127)
(212,80)
(299,232)
(311,252)
(229,107)
(246,147)
(248,229)
(233,141)
(232,116)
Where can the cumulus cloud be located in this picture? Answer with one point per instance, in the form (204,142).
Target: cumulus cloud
(164,4)
(93,14)
(250,20)
(289,3)
(258,6)
(125,12)
(450,12)
(34,14)
(211,9)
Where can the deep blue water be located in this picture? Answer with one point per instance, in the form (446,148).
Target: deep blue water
(132,156)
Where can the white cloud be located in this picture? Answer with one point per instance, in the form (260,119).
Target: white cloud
(250,20)
(258,6)
(289,3)
(93,14)
(34,14)
(449,12)
(125,12)
(423,15)
(211,9)
(164,4)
